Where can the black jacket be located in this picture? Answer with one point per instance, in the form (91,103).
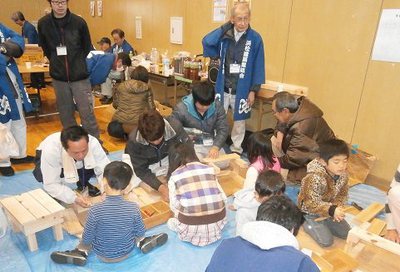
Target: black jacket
(74,34)
(144,154)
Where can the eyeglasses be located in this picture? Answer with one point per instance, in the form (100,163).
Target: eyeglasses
(59,3)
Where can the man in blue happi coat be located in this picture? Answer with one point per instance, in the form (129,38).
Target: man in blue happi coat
(242,69)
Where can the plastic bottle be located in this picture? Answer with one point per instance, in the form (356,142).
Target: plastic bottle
(166,66)
(154,56)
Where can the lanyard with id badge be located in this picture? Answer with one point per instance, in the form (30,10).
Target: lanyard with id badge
(61,50)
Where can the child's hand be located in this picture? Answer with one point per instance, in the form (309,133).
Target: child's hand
(339,214)
(82,201)
(232,207)
(163,190)
(392,235)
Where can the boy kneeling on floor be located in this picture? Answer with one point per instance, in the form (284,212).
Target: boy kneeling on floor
(324,192)
(114,226)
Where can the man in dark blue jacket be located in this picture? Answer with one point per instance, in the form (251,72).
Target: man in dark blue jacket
(65,40)
(268,244)
(28,30)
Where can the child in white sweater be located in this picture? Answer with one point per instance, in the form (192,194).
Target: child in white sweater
(247,201)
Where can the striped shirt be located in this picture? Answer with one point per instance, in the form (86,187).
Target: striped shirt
(112,226)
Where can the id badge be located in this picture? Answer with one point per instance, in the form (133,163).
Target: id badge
(234,68)
(61,50)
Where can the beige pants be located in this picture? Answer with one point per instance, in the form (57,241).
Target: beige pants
(394,205)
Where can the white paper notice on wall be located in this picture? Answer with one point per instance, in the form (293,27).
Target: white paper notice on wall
(387,41)
(138,25)
(176,30)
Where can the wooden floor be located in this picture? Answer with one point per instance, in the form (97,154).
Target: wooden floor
(371,259)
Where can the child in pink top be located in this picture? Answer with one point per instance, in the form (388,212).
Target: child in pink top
(261,158)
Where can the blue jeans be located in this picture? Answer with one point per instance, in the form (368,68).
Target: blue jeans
(323,231)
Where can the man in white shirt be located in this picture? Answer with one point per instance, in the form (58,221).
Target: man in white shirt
(70,157)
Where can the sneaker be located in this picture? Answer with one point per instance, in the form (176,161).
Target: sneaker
(148,243)
(75,257)
(93,191)
(27,159)
(7,171)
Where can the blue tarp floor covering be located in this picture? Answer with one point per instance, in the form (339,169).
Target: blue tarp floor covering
(175,255)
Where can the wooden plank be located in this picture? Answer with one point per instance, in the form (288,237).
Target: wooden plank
(356,234)
(239,166)
(221,158)
(42,224)
(34,207)
(340,261)
(57,232)
(231,183)
(15,208)
(377,226)
(32,242)
(322,263)
(367,214)
(71,223)
(47,201)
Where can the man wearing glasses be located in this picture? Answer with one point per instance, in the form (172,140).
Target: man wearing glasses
(65,40)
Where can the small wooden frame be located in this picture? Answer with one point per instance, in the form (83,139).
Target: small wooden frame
(357,234)
(155,214)
(32,212)
(369,213)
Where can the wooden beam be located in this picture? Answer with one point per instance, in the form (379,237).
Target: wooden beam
(377,226)
(356,234)
(367,214)
(221,158)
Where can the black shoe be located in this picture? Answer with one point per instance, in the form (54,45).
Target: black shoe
(7,171)
(27,159)
(106,101)
(103,98)
(148,243)
(92,190)
(75,257)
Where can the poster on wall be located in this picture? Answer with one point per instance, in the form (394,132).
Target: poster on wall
(138,25)
(387,41)
(99,8)
(176,30)
(91,9)
(219,11)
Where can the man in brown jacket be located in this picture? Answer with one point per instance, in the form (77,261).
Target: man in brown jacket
(299,130)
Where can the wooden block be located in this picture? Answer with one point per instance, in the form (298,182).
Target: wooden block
(32,242)
(239,166)
(224,157)
(71,223)
(322,263)
(377,226)
(357,234)
(231,183)
(57,232)
(367,214)
(340,261)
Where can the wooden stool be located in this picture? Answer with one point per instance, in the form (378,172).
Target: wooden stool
(32,212)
